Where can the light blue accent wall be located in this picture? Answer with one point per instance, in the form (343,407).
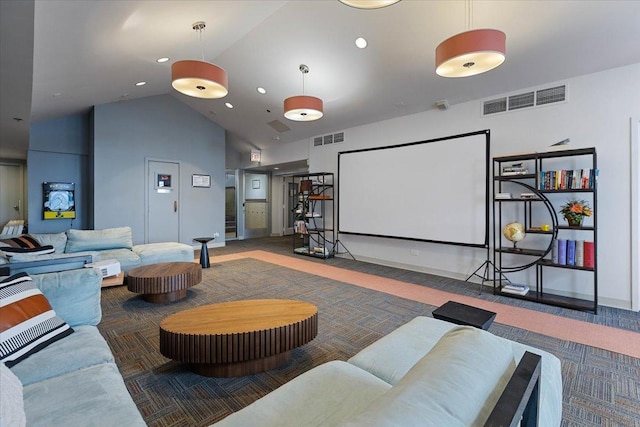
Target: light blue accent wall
(128,134)
(58,153)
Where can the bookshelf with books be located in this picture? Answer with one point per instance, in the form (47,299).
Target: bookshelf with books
(539,184)
(314,215)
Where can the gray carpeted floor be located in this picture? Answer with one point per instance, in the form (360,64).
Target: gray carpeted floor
(600,387)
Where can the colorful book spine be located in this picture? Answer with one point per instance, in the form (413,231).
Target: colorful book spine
(571,252)
(562,251)
(579,253)
(589,254)
(554,251)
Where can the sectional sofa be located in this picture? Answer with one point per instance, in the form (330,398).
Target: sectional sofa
(426,373)
(100,245)
(73,381)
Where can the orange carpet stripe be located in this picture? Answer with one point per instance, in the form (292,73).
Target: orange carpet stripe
(604,337)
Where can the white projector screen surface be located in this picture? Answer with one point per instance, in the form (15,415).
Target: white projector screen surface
(434,190)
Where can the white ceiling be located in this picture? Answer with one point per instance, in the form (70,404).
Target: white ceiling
(88,53)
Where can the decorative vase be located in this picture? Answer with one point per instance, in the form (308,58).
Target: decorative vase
(574,221)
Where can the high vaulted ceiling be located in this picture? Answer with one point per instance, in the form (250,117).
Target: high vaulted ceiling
(60,57)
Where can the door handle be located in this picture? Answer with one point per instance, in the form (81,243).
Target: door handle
(175,206)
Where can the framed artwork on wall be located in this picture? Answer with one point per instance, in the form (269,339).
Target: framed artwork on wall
(58,200)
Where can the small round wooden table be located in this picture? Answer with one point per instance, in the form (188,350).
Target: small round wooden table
(238,338)
(164,282)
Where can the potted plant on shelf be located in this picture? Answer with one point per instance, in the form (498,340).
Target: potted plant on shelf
(574,212)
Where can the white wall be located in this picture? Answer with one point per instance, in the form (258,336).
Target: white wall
(597,114)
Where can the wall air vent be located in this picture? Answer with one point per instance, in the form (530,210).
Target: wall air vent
(551,95)
(495,106)
(525,100)
(333,138)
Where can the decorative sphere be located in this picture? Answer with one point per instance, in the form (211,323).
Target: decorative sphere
(514,232)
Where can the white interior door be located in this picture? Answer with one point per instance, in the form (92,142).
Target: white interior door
(11,193)
(163,213)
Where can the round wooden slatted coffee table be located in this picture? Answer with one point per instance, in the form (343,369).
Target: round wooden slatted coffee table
(238,338)
(164,282)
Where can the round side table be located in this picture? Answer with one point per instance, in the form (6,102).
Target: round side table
(204,251)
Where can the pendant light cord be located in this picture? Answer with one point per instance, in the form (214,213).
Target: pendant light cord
(469,13)
(201,44)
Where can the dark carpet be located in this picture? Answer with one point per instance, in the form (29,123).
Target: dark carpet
(601,388)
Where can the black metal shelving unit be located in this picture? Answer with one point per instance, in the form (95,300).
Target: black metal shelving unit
(315,215)
(539,257)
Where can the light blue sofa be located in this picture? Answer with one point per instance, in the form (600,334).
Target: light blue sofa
(75,381)
(426,373)
(110,243)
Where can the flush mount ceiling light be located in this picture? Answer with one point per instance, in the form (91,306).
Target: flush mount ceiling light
(369,4)
(199,79)
(303,108)
(471,52)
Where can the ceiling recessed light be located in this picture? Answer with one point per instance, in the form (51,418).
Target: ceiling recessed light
(56,94)
(141,83)
(261,90)
(361,42)
(228,105)
(275,169)
(163,59)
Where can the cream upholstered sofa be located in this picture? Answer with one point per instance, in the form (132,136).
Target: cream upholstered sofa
(426,373)
(106,244)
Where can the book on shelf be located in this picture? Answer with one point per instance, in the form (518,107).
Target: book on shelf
(589,254)
(503,196)
(554,251)
(562,251)
(515,172)
(579,253)
(514,288)
(566,179)
(571,252)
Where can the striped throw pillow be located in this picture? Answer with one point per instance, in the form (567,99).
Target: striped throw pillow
(27,321)
(24,245)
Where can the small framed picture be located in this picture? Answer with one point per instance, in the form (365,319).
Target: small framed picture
(255,184)
(201,180)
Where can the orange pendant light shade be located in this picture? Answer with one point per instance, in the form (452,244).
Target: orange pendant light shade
(199,79)
(470,53)
(303,108)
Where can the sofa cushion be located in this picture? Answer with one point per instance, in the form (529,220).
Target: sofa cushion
(28,323)
(84,348)
(155,253)
(57,240)
(416,338)
(24,245)
(323,396)
(126,257)
(98,240)
(95,395)
(456,384)
(74,294)
(11,402)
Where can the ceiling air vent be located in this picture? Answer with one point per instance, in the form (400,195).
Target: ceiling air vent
(333,138)
(525,100)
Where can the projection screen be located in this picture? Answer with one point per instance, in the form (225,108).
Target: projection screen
(433,191)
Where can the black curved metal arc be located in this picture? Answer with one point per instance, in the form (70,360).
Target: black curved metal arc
(554,221)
